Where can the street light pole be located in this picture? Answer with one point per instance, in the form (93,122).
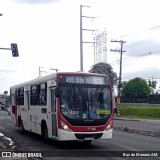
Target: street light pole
(54,69)
(13,48)
(41,71)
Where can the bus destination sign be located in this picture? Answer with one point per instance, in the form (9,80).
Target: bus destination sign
(79,79)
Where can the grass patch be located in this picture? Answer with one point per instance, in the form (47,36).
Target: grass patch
(145,112)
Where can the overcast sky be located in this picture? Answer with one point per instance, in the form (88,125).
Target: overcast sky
(48,35)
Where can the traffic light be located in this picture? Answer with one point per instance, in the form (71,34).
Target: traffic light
(14,49)
(149,83)
(120,85)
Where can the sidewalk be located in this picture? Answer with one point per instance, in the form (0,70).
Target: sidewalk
(2,146)
(5,147)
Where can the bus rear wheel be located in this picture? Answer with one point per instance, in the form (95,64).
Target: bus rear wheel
(46,138)
(21,128)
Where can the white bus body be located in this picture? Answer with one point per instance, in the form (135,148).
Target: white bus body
(36,107)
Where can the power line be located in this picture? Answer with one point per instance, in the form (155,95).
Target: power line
(142,42)
(137,57)
(157,27)
(153,28)
(141,56)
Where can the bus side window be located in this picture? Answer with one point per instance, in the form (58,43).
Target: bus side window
(34,95)
(42,94)
(21,96)
(13,99)
(17,97)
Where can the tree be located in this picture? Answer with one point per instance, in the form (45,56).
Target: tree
(136,87)
(124,83)
(105,68)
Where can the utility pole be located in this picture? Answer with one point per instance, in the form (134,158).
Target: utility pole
(120,72)
(81,35)
(54,69)
(41,71)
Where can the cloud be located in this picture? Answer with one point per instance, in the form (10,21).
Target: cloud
(144,73)
(7,71)
(36,1)
(142,48)
(142,42)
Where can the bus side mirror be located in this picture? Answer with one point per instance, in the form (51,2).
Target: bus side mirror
(57,92)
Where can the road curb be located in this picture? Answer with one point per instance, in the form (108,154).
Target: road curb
(132,119)
(127,119)
(138,131)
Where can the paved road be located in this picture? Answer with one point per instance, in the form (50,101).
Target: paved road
(149,125)
(121,141)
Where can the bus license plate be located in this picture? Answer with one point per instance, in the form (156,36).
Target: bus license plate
(88,138)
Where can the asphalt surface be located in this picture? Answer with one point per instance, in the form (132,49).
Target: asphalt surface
(128,125)
(143,127)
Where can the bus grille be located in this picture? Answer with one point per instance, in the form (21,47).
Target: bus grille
(85,123)
(94,135)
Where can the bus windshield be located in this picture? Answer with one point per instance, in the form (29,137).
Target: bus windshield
(85,103)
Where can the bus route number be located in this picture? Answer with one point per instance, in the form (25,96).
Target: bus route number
(74,80)
(70,79)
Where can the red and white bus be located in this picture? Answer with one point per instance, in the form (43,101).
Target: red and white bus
(65,106)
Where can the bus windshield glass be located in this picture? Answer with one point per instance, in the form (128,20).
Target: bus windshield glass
(85,102)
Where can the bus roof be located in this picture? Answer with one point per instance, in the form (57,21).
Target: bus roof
(53,76)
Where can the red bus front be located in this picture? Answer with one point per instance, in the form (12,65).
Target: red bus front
(85,108)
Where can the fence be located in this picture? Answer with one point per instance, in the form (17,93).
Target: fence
(152,99)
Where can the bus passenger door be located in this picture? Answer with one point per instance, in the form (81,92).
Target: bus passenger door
(53,112)
(28,110)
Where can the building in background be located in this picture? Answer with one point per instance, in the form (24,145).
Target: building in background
(4,100)
(100,47)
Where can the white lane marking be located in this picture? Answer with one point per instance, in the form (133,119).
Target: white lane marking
(8,117)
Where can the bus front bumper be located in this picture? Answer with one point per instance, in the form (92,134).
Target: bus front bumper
(69,136)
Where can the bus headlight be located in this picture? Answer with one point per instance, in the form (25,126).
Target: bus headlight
(65,127)
(110,125)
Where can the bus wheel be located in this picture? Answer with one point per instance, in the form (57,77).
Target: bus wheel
(87,141)
(46,134)
(21,129)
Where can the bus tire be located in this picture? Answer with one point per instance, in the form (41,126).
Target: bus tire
(45,134)
(87,142)
(21,128)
